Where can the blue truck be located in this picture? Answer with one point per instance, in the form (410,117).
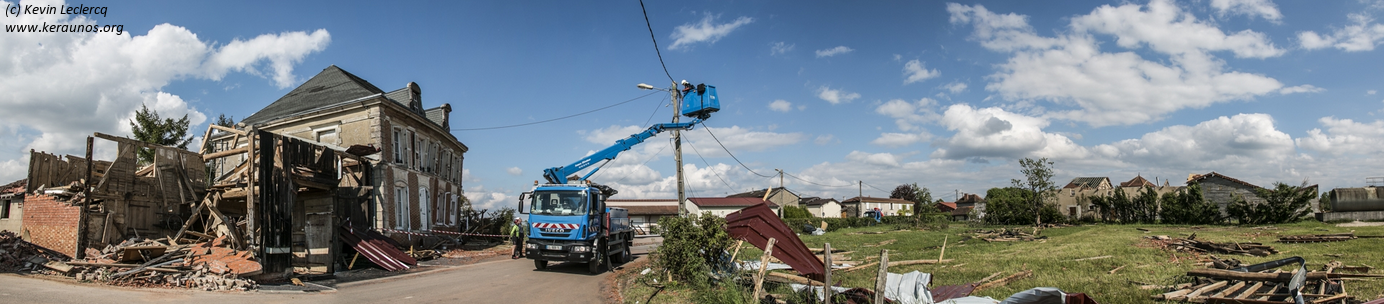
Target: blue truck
(568,218)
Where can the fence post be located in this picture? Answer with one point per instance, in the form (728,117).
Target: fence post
(763,266)
(883,276)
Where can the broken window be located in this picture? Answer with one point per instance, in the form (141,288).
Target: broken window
(5,209)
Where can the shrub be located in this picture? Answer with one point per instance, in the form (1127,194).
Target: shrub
(1281,205)
(1189,206)
(796,212)
(692,247)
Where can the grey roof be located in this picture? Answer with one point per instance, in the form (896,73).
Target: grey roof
(760,193)
(815,201)
(1086,182)
(401,96)
(438,116)
(333,85)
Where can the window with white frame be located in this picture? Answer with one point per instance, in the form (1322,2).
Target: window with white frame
(326,135)
(424,208)
(401,214)
(444,208)
(413,148)
(425,166)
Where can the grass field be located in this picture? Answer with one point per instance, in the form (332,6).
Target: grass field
(1054,264)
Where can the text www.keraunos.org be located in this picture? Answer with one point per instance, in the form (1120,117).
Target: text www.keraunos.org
(14,10)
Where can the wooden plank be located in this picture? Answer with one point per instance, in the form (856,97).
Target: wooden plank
(1005,280)
(141,144)
(1250,290)
(881,278)
(826,286)
(208,157)
(1197,293)
(763,266)
(234,131)
(1229,290)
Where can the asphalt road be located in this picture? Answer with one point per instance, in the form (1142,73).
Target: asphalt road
(494,281)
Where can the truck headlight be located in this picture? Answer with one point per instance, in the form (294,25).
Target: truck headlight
(581,249)
(531,246)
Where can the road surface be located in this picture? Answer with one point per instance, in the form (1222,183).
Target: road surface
(494,281)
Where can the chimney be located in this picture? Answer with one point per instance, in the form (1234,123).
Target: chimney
(415,97)
(446,116)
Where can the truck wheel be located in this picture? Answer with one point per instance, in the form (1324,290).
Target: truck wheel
(540,264)
(600,256)
(625,255)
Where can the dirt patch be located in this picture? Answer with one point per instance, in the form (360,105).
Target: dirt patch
(612,289)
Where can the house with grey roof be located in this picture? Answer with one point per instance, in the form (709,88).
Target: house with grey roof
(417,175)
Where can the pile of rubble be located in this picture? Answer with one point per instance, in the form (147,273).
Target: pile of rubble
(1230,282)
(18,255)
(1008,235)
(1317,238)
(158,263)
(1191,244)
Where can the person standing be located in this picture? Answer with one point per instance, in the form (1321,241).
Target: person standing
(516,235)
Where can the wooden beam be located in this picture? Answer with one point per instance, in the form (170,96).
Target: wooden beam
(215,126)
(881,278)
(763,266)
(226,153)
(141,144)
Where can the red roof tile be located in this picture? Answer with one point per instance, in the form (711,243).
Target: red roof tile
(729,201)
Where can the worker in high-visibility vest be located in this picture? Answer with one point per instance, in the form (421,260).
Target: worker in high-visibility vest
(516,235)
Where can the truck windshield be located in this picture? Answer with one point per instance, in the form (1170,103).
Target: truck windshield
(558,203)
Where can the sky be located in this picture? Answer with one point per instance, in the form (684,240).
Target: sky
(845,98)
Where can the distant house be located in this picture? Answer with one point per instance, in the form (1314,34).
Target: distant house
(1222,190)
(821,207)
(1071,199)
(778,195)
(721,206)
(857,206)
(962,213)
(645,213)
(12,207)
(1138,181)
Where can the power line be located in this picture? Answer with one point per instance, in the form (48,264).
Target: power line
(656,108)
(651,37)
(810,182)
(732,155)
(709,167)
(559,118)
(873,186)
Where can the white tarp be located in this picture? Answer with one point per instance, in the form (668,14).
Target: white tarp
(1037,295)
(908,288)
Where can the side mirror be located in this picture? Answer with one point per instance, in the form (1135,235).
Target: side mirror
(523,197)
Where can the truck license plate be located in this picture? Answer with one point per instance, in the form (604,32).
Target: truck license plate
(554,247)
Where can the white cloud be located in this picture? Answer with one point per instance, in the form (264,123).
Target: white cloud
(483,198)
(740,140)
(895,140)
(781,105)
(955,87)
(1236,141)
(878,159)
(1306,88)
(824,139)
(704,31)
(898,57)
(1362,35)
(914,71)
(833,51)
(780,48)
(1121,88)
(835,96)
(1371,92)
(609,134)
(64,87)
(1344,136)
(908,114)
(996,133)
(515,171)
(1261,8)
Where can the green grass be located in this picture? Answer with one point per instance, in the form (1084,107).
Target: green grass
(1053,262)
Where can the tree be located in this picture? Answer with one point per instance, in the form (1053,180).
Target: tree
(920,196)
(225,121)
(148,127)
(1188,206)
(1011,206)
(1038,181)
(1282,204)
(791,212)
(1325,202)
(1145,205)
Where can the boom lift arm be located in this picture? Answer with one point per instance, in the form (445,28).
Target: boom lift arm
(558,175)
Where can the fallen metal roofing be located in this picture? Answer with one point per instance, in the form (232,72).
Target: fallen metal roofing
(376,247)
(756,224)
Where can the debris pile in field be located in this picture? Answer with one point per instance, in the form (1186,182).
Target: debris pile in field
(1213,285)
(1191,244)
(1008,235)
(156,263)
(18,255)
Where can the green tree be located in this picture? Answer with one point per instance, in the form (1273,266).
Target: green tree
(920,196)
(148,127)
(1282,204)
(791,212)
(1010,206)
(1325,202)
(1189,206)
(1038,181)
(1145,205)
(225,121)
(692,247)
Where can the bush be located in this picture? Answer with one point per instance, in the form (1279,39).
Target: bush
(1010,206)
(692,247)
(1281,205)
(1189,206)
(833,224)
(796,212)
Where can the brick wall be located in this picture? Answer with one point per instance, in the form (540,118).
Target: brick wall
(51,223)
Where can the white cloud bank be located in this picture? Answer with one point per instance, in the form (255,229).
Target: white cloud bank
(64,87)
(834,51)
(707,30)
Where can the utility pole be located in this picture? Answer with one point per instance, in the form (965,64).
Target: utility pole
(780,177)
(860,197)
(677,151)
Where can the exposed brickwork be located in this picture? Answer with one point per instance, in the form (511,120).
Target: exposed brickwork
(51,223)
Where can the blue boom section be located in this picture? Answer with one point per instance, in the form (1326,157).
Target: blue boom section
(558,175)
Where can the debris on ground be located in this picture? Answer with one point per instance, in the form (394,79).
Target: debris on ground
(1237,285)
(158,263)
(1191,244)
(18,255)
(1317,238)
(1007,235)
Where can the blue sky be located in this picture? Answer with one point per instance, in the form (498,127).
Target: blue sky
(945,94)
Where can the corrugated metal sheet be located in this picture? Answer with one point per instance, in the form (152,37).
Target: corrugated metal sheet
(756,224)
(378,248)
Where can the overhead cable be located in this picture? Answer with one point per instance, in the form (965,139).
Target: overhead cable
(732,155)
(559,118)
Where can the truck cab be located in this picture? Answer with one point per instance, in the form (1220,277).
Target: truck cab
(571,223)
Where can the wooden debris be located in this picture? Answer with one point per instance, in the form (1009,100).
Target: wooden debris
(1007,235)
(1317,238)
(1112,271)
(1094,258)
(1005,280)
(1266,287)
(1191,244)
